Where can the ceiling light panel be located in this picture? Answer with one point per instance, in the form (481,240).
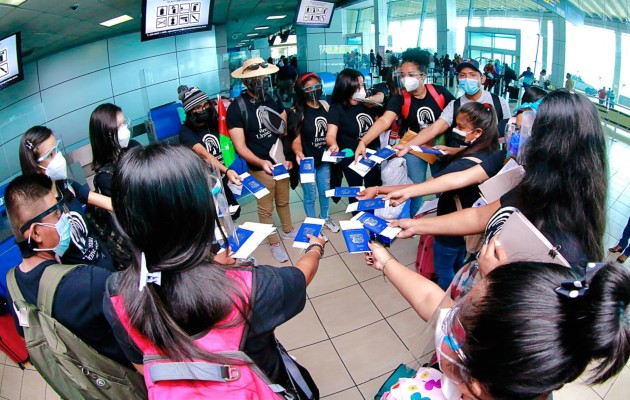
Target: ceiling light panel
(116,21)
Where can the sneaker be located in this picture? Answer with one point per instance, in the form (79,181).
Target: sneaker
(324,237)
(330,224)
(277,251)
(289,235)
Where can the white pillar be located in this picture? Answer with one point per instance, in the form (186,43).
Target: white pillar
(312,55)
(559,51)
(446,26)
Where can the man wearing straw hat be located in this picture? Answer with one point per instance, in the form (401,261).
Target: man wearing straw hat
(256,121)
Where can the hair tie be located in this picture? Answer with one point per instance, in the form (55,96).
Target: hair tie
(147,277)
(486,106)
(573,288)
(28,144)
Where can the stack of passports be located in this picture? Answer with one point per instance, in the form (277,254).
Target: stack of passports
(280,172)
(376,224)
(307,170)
(365,205)
(253,185)
(355,236)
(312,226)
(349,191)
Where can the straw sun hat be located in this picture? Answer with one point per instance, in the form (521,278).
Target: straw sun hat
(253,67)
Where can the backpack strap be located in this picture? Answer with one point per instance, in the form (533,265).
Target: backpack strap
(325,104)
(243,107)
(498,108)
(438,97)
(406,103)
(456,106)
(53,274)
(13,287)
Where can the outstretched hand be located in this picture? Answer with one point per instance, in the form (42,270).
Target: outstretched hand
(397,197)
(408,226)
(367,193)
(492,255)
(378,257)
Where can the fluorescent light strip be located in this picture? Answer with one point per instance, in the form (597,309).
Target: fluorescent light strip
(252,34)
(261,28)
(116,21)
(276,16)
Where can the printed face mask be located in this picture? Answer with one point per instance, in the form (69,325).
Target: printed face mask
(359,94)
(469,86)
(461,137)
(63,230)
(410,83)
(124,135)
(57,170)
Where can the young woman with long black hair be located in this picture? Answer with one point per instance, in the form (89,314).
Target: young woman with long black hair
(163,202)
(41,153)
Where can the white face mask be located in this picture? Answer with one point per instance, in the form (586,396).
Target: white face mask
(449,388)
(359,94)
(57,170)
(410,83)
(124,135)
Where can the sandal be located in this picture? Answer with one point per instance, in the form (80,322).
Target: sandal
(622,258)
(615,249)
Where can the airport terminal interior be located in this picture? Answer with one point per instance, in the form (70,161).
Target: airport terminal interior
(356,328)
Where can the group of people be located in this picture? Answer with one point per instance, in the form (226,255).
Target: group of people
(504,328)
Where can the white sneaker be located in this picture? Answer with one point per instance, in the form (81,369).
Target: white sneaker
(289,235)
(330,224)
(324,237)
(277,251)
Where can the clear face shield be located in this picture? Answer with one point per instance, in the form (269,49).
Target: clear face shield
(517,132)
(260,86)
(409,81)
(314,93)
(224,225)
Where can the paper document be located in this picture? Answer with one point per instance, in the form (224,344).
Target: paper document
(253,240)
(510,175)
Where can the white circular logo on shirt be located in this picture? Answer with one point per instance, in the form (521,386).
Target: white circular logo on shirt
(365,122)
(425,117)
(212,144)
(321,126)
(78,230)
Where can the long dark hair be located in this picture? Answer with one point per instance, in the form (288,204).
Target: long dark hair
(479,116)
(28,153)
(295,122)
(566,179)
(524,341)
(104,135)
(163,204)
(346,85)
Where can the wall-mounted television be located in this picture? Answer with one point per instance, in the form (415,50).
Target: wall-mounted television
(314,14)
(162,18)
(11,70)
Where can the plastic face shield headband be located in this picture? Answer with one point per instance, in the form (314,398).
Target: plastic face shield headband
(313,92)
(51,152)
(224,225)
(259,85)
(58,207)
(449,351)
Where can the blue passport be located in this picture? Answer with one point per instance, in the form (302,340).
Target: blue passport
(253,185)
(352,191)
(382,154)
(238,238)
(307,166)
(356,240)
(280,172)
(367,162)
(310,226)
(372,222)
(365,205)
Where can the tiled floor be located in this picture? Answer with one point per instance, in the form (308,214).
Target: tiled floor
(356,328)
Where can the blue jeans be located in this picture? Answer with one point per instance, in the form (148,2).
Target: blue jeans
(322,180)
(447,261)
(417,172)
(625,237)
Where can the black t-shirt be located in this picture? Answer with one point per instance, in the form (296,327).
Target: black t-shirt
(190,136)
(352,123)
(78,305)
(258,138)
(569,245)
(103,176)
(493,164)
(467,195)
(279,295)
(422,112)
(313,132)
(85,248)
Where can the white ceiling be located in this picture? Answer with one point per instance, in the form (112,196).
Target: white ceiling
(49,26)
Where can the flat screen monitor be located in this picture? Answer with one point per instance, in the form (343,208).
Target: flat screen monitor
(162,18)
(11,70)
(314,14)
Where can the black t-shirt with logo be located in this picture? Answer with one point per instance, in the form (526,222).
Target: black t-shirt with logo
(352,123)
(85,247)
(422,112)
(313,132)
(258,138)
(190,136)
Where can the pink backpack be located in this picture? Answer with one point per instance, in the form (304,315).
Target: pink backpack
(168,379)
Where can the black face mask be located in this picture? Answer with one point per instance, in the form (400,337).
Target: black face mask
(259,88)
(202,116)
(314,96)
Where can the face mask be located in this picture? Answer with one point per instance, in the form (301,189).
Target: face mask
(314,96)
(449,388)
(280,64)
(259,88)
(469,86)
(203,116)
(57,170)
(461,137)
(359,94)
(124,135)
(411,83)
(63,230)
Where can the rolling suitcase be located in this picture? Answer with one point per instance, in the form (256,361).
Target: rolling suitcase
(11,343)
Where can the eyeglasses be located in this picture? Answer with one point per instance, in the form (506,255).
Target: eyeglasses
(408,74)
(254,67)
(313,88)
(59,208)
(449,352)
(52,152)
(201,107)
